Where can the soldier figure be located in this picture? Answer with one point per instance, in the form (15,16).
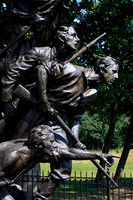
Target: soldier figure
(20,155)
(67,88)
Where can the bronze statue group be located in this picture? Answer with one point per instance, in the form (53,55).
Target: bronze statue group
(38,89)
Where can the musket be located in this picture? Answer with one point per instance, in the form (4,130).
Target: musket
(103,171)
(29,27)
(22,92)
(25,94)
(14,41)
(85,48)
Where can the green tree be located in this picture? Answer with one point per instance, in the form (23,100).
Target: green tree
(114,18)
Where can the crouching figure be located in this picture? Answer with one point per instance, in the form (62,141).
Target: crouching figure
(20,155)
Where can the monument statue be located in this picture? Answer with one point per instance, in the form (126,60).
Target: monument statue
(40,90)
(24,16)
(20,155)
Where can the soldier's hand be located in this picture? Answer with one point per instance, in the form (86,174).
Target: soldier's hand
(47,107)
(52,111)
(107,158)
(80,145)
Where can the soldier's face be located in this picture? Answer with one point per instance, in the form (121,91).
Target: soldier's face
(110,74)
(71,38)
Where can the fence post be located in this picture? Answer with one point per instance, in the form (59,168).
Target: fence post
(108,185)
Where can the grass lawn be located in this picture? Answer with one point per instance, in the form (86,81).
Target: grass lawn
(83,167)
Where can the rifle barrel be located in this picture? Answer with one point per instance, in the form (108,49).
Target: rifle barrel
(66,128)
(85,48)
(27,95)
(14,41)
(103,171)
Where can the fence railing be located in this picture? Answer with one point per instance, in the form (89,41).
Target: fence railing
(82,188)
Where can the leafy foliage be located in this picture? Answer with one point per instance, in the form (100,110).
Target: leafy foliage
(91,19)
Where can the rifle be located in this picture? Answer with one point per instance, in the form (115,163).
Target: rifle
(85,48)
(14,41)
(22,92)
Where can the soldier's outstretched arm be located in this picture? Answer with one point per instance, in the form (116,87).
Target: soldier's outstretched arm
(79,154)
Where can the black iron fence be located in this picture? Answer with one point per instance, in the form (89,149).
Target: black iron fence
(82,188)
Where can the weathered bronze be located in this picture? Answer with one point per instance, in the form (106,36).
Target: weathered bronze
(85,48)
(40,89)
(22,17)
(67,88)
(20,155)
(14,41)
(23,93)
(30,15)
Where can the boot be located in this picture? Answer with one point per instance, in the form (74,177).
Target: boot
(47,188)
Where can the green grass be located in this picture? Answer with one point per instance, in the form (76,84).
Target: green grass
(83,167)
(80,188)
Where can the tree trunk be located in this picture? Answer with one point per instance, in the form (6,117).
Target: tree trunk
(126,149)
(108,139)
